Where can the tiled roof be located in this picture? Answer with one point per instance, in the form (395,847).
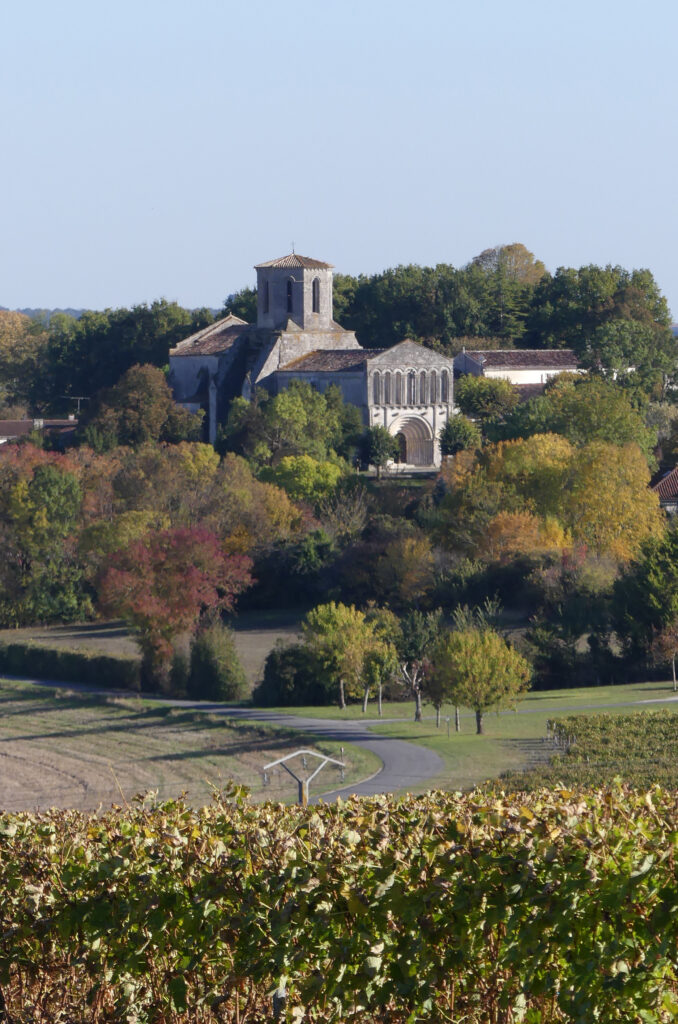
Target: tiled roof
(527,358)
(212,340)
(329,360)
(667,488)
(295,260)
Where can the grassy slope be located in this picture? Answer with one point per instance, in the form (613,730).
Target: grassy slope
(511,741)
(65,749)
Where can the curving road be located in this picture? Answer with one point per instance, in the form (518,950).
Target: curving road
(406,766)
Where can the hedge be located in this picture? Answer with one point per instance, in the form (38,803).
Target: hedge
(69,666)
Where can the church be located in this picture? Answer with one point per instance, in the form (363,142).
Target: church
(406,388)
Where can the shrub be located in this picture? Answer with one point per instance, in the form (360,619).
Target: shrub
(215,671)
(293,675)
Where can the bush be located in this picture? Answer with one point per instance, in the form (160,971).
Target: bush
(63,665)
(215,671)
(293,675)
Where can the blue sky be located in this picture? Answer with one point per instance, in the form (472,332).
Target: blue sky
(162,148)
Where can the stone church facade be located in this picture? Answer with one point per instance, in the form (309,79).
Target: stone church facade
(407,388)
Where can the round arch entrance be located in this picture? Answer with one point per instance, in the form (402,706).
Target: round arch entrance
(415,441)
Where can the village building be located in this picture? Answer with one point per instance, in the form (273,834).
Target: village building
(666,490)
(409,389)
(528,369)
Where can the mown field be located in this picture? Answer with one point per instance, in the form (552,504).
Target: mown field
(60,748)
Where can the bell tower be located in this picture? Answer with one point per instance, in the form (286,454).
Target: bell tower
(294,288)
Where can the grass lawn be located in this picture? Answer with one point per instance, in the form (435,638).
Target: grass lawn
(512,741)
(64,749)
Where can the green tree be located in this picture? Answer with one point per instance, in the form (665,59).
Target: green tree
(476,668)
(419,634)
(341,637)
(304,478)
(459,434)
(215,670)
(485,398)
(645,597)
(379,447)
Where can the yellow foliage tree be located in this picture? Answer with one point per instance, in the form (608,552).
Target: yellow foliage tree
(510,534)
(607,502)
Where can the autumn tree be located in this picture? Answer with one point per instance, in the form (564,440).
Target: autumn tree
(163,584)
(404,572)
(140,408)
(22,347)
(665,647)
(478,669)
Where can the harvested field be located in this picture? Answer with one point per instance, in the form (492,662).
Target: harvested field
(64,749)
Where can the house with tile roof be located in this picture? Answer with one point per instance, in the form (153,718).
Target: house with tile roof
(666,490)
(408,388)
(528,369)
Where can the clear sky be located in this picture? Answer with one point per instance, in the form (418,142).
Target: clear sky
(162,147)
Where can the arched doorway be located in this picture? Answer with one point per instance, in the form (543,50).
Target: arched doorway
(415,441)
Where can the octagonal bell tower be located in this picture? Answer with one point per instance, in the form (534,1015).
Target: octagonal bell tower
(294,288)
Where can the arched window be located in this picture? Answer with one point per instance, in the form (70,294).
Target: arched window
(376,397)
(387,388)
(315,288)
(434,387)
(267,298)
(398,389)
(423,400)
(445,386)
(290,303)
(411,388)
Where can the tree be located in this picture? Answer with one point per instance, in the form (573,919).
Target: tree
(607,503)
(340,636)
(304,478)
(215,672)
(379,447)
(140,408)
(645,597)
(459,434)
(485,398)
(352,647)
(476,668)
(405,570)
(162,586)
(665,647)
(419,633)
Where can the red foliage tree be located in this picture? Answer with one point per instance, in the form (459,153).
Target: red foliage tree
(163,584)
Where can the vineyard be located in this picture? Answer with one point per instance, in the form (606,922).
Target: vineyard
(546,907)
(593,750)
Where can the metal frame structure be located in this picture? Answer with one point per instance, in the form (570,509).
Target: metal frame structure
(303,783)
